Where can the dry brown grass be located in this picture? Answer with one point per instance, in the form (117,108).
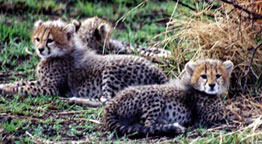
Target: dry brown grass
(228,36)
(254,6)
(244,108)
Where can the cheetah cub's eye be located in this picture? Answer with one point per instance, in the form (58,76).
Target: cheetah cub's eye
(218,76)
(37,39)
(50,40)
(203,76)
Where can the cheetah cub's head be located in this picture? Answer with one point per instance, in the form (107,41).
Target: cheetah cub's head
(93,32)
(209,76)
(53,38)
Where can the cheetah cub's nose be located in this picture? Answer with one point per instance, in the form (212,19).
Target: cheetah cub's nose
(212,86)
(41,50)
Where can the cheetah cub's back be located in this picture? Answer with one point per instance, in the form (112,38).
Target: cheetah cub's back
(168,108)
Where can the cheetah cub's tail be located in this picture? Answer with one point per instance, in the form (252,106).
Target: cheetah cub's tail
(125,127)
(153,53)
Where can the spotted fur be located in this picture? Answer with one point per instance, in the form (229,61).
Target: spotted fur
(169,108)
(95,33)
(68,68)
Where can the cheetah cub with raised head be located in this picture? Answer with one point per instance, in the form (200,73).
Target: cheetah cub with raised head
(67,68)
(95,34)
(169,108)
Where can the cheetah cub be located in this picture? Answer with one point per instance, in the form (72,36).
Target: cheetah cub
(67,68)
(168,108)
(95,34)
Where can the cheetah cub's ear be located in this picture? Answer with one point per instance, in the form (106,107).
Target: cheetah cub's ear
(229,66)
(190,67)
(38,23)
(102,32)
(70,30)
(77,24)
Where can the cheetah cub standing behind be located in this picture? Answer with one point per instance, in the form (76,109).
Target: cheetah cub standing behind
(166,109)
(67,68)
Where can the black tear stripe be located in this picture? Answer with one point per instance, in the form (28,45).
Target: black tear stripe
(206,74)
(205,68)
(48,48)
(215,66)
(205,83)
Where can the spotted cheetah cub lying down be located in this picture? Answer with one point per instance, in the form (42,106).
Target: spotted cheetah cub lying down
(169,108)
(95,34)
(67,68)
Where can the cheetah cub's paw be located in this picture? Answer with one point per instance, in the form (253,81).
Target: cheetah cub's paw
(180,129)
(2,86)
(104,100)
(7,89)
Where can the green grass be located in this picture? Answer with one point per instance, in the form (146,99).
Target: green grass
(44,117)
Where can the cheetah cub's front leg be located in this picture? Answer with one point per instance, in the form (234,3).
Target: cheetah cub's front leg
(12,88)
(30,87)
(113,81)
(109,85)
